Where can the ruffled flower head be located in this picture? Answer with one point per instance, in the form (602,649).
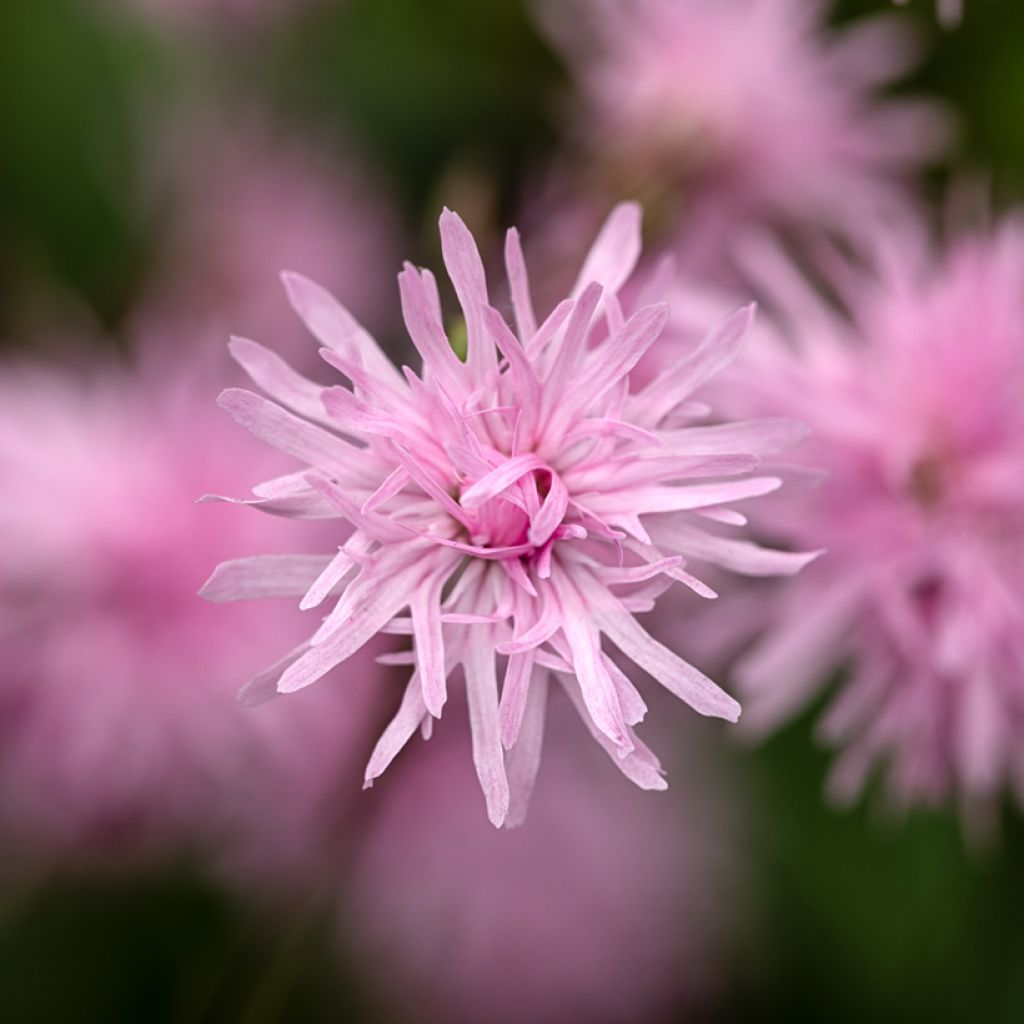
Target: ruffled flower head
(723,113)
(508,510)
(912,393)
(119,740)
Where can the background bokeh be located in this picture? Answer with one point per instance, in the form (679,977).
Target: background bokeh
(114,117)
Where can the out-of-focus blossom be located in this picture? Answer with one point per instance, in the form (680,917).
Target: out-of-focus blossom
(119,734)
(241,200)
(720,114)
(913,398)
(606,906)
(950,11)
(519,504)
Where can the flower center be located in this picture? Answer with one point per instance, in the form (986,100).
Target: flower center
(521,502)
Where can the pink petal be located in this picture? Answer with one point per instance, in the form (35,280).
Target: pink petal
(263,576)
(498,479)
(426,331)
(523,760)
(513,696)
(278,379)
(482,694)
(381,601)
(756,437)
(519,286)
(676,675)
(425,608)
(334,326)
(399,731)
(738,555)
(640,765)
(569,348)
(715,352)
(599,693)
(333,573)
(615,251)
(263,687)
(302,440)
(466,270)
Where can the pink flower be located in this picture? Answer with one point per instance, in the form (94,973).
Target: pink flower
(913,397)
(602,908)
(242,195)
(724,113)
(117,736)
(519,505)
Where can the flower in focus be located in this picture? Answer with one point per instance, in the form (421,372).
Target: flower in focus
(913,398)
(117,738)
(516,506)
(720,114)
(564,919)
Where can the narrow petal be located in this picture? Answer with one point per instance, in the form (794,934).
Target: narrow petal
(304,505)
(498,479)
(334,326)
(756,437)
(615,251)
(425,608)
(296,437)
(676,675)
(552,512)
(488,756)
(331,575)
(513,696)
(263,687)
(380,604)
(596,684)
(623,350)
(466,270)
(740,556)
(399,731)
(268,370)
(519,286)
(650,500)
(714,354)
(426,331)
(640,765)
(523,760)
(243,579)
(569,348)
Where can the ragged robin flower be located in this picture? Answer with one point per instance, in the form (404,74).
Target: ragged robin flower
(508,511)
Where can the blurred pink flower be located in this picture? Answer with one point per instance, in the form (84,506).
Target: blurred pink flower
(519,504)
(720,114)
(243,199)
(605,907)
(913,399)
(119,735)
